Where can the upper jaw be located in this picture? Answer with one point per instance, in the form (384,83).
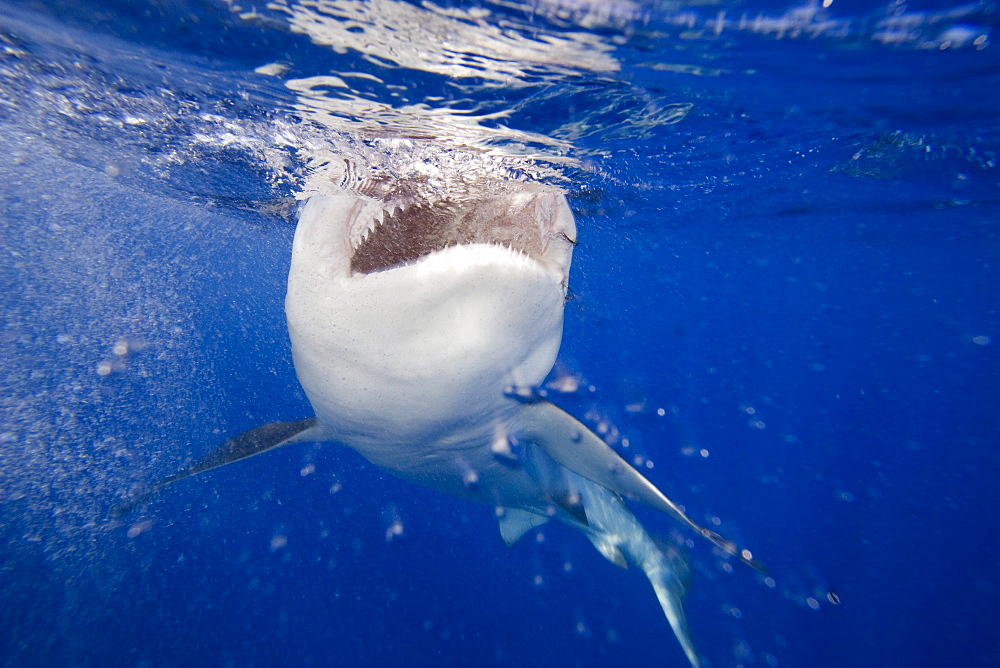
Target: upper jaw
(391,227)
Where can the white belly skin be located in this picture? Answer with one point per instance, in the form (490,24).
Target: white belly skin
(409,366)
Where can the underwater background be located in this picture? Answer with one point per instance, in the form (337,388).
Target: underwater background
(784,310)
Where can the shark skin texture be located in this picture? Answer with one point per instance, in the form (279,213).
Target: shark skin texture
(420,330)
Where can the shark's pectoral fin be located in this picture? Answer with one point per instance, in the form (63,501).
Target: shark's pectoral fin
(515,522)
(573,445)
(570,443)
(249,443)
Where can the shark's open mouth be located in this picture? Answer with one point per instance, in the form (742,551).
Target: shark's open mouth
(399,234)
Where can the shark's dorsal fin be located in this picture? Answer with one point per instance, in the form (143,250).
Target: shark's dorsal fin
(569,442)
(249,443)
(515,522)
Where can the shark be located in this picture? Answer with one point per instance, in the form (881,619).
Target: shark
(422,329)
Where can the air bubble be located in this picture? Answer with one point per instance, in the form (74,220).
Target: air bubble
(139,528)
(395,529)
(524,394)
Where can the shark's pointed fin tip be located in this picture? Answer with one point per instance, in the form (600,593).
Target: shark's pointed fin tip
(729,547)
(128,505)
(253,442)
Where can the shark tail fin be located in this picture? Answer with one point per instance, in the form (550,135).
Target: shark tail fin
(260,439)
(670,584)
(618,535)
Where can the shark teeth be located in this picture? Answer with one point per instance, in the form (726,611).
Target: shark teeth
(361,232)
(382,211)
(510,248)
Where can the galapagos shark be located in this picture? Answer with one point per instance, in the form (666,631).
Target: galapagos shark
(420,332)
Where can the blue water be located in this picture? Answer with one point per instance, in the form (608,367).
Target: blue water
(785,297)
